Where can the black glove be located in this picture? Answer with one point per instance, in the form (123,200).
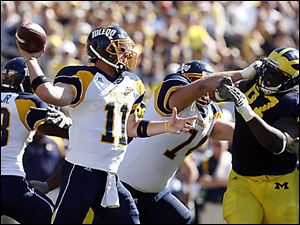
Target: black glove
(54,116)
(227,91)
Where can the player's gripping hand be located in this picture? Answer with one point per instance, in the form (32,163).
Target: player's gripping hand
(227,91)
(40,186)
(27,56)
(54,116)
(221,92)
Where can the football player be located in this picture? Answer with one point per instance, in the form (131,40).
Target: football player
(263,186)
(149,164)
(21,113)
(103,99)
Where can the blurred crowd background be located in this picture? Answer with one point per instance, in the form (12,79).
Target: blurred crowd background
(227,34)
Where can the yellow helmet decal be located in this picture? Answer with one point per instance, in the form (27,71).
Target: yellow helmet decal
(287,61)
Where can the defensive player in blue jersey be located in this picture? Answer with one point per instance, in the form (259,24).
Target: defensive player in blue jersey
(263,186)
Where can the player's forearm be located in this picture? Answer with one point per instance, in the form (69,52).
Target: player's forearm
(186,95)
(157,127)
(45,90)
(223,130)
(147,128)
(271,138)
(235,75)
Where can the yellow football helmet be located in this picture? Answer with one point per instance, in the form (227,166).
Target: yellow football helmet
(279,71)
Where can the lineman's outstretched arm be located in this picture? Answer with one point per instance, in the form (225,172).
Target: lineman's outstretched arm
(186,95)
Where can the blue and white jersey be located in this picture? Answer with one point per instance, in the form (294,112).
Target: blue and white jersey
(150,163)
(20,114)
(99,112)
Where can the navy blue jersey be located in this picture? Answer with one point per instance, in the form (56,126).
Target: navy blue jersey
(249,157)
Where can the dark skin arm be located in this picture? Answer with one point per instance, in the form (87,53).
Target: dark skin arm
(272,137)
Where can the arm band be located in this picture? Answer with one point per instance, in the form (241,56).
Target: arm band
(38,81)
(142,128)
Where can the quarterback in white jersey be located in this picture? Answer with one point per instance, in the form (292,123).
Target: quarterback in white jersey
(99,113)
(103,98)
(21,113)
(149,164)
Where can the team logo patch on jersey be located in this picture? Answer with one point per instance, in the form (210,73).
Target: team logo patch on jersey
(279,185)
(127,91)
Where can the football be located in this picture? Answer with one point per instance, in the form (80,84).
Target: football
(31,37)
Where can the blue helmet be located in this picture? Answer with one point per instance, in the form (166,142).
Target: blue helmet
(195,70)
(112,45)
(15,77)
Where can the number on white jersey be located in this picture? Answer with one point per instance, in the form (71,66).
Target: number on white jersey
(5,118)
(108,136)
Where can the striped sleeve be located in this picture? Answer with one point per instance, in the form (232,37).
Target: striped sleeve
(79,77)
(32,111)
(163,92)
(141,94)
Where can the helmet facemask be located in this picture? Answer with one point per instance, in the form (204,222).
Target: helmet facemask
(124,52)
(271,79)
(112,45)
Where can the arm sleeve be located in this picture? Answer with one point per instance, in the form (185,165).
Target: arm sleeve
(170,84)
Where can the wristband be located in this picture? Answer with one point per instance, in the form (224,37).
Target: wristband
(250,72)
(142,128)
(246,112)
(166,127)
(38,81)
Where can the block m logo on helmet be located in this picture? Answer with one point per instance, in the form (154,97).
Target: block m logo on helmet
(279,185)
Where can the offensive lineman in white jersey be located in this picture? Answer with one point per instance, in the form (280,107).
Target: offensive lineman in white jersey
(149,164)
(103,99)
(21,113)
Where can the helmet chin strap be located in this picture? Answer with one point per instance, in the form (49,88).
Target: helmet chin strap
(269,90)
(120,67)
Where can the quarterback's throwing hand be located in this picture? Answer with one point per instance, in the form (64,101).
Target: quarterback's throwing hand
(177,125)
